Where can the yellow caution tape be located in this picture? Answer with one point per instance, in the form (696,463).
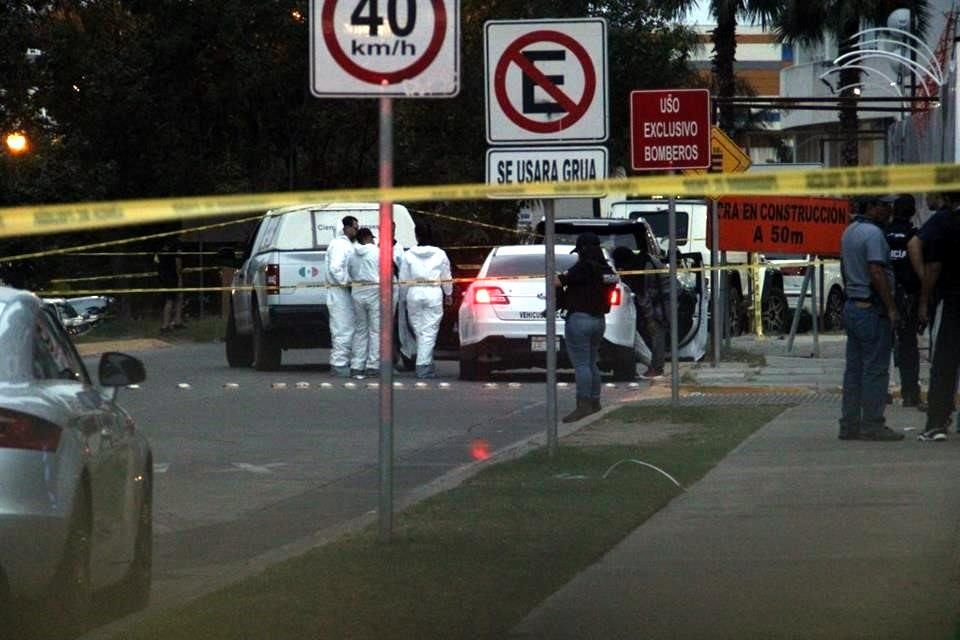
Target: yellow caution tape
(144,274)
(312,285)
(59,218)
(113,243)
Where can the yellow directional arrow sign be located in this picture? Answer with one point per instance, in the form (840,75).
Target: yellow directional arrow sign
(727,156)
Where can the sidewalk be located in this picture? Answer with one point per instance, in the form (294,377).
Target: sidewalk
(794,535)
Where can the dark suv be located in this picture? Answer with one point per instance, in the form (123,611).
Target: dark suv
(613,232)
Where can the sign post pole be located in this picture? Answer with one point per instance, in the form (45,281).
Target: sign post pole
(757,296)
(814,304)
(674,317)
(386,324)
(795,324)
(354,54)
(715,282)
(550,271)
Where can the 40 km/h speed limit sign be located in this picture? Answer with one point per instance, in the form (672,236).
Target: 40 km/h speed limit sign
(396,48)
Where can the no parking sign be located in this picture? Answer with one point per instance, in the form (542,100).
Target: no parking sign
(546,81)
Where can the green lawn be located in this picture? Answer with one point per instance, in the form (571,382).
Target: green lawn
(473,561)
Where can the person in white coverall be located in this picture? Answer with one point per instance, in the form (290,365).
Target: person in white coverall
(424,302)
(365,289)
(339,300)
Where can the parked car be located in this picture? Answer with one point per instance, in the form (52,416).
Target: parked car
(93,308)
(73,322)
(502,317)
(76,475)
(634,233)
(278,299)
(830,295)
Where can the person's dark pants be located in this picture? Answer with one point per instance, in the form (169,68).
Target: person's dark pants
(582,334)
(656,338)
(906,355)
(943,369)
(867,373)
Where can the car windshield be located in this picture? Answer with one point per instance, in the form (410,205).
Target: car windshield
(66,310)
(502,266)
(660,223)
(608,241)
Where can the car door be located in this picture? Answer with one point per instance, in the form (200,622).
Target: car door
(106,459)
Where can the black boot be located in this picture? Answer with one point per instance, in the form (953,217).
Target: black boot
(584,408)
(595,404)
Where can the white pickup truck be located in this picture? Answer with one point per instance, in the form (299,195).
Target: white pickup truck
(278,300)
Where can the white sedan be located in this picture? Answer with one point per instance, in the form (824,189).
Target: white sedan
(75,472)
(502,317)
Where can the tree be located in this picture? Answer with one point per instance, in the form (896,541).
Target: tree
(724,38)
(806,21)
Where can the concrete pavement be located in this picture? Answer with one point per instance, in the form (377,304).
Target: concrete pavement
(794,535)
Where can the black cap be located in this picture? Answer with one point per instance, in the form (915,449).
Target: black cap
(862,202)
(905,206)
(586,239)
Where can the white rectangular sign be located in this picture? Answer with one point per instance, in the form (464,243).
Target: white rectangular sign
(546,81)
(523,165)
(395,48)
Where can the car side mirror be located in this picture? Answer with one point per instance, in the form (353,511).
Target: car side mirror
(230,257)
(119,370)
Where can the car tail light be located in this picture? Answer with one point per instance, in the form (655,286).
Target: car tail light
(273,279)
(22,431)
(490,295)
(615,296)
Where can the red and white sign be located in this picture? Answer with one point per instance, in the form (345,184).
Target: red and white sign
(670,129)
(396,48)
(546,81)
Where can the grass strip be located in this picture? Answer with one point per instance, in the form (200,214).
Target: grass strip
(473,561)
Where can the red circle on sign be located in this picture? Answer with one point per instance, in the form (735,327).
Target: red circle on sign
(575,110)
(379,77)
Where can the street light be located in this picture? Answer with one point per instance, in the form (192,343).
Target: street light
(17,143)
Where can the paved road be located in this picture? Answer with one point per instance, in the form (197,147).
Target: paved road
(241,470)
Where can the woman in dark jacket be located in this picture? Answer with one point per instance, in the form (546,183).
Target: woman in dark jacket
(585,299)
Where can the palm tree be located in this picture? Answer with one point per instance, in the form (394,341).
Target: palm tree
(807,21)
(724,38)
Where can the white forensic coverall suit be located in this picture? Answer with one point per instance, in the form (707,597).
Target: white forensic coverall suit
(424,302)
(365,289)
(339,300)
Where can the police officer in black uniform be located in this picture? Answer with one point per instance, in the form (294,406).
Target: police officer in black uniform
(906,354)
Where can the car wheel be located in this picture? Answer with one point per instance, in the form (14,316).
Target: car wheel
(624,365)
(833,312)
(473,369)
(775,312)
(735,312)
(70,603)
(266,349)
(136,585)
(239,348)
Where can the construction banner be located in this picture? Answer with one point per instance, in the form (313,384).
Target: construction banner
(782,224)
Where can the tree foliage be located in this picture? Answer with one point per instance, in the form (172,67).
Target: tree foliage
(807,21)
(155,98)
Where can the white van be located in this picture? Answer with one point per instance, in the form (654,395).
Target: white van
(278,299)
